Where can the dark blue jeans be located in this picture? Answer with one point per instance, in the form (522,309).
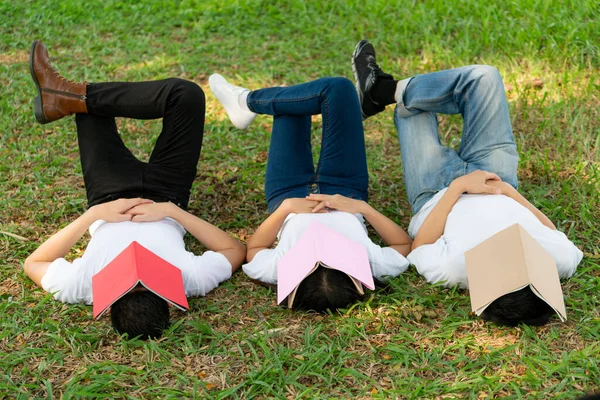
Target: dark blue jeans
(342,166)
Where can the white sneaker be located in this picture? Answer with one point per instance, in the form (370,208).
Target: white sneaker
(233,99)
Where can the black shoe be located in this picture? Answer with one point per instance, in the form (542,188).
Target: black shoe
(366,74)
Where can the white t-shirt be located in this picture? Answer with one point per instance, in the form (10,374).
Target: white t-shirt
(473,219)
(72,281)
(385,261)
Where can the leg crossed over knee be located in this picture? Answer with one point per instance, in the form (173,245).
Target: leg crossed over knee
(342,85)
(487,77)
(186,93)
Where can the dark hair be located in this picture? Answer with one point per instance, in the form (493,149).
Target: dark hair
(522,306)
(140,313)
(325,289)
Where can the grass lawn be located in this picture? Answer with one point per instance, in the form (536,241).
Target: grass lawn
(416,341)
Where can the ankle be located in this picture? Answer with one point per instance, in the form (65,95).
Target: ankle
(383,92)
(243,100)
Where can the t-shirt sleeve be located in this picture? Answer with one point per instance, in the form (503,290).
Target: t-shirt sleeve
(205,273)
(437,262)
(263,266)
(386,262)
(566,255)
(67,281)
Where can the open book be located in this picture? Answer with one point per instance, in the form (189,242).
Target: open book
(509,261)
(322,246)
(137,265)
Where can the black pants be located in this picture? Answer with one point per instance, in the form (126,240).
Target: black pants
(111,171)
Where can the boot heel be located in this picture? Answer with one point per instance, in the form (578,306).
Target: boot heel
(39,110)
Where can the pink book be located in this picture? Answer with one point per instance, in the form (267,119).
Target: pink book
(322,246)
(137,265)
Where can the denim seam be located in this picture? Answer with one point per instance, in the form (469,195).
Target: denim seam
(465,119)
(286,100)
(435,99)
(487,150)
(325,129)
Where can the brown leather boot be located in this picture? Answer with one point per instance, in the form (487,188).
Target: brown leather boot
(57,96)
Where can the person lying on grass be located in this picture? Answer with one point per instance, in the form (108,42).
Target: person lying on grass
(130,200)
(460,198)
(335,194)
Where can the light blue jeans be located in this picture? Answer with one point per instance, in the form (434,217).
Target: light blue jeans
(477,93)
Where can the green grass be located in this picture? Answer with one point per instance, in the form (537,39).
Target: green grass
(415,341)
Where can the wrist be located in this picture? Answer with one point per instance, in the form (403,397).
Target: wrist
(93,213)
(453,193)
(507,189)
(364,208)
(89,217)
(284,208)
(172,211)
(456,187)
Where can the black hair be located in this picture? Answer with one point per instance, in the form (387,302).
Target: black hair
(140,313)
(325,289)
(522,306)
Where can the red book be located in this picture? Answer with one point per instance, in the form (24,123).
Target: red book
(134,265)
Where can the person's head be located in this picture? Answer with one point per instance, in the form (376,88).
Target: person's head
(325,289)
(522,306)
(140,313)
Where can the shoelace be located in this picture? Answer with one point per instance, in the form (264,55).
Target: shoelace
(57,74)
(375,70)
(233,88)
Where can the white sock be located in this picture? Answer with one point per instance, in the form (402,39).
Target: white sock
(233,98)
(243,100)
(400,88)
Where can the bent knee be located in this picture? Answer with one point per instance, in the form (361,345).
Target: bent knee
(187,91)
(486,74)
(342,84)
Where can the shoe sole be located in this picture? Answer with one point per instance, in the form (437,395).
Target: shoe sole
(38,106)
(357,50)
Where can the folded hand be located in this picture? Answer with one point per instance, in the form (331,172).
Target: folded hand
(117,210)
(299,205)
(476,182)
(336,202)
(150,212)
